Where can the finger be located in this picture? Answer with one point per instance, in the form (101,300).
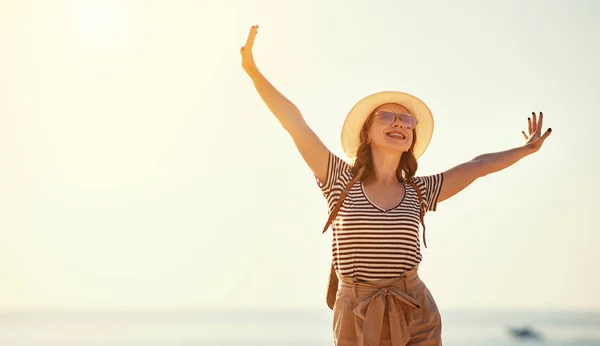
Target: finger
(529,124)
(251,35)
(533,122)
(524,135)
(546,134)
(540,122)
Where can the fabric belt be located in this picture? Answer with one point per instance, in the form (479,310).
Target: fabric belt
(372,300)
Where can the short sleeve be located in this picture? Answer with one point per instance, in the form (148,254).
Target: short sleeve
(430,186)
(338,174)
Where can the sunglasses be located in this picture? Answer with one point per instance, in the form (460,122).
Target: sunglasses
(388,117)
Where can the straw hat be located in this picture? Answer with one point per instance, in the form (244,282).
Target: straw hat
(363,108)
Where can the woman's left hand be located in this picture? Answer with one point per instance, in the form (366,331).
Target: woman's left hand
(535,139)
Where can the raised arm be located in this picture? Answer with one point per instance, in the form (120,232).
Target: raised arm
(461,176)
(313,151)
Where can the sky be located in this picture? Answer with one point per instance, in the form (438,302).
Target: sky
(139,168)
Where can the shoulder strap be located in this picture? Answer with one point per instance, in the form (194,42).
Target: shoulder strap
(338,205)
(421,207)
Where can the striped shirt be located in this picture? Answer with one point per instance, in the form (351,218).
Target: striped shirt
(370,243)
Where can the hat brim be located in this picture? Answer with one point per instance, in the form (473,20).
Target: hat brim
(363,108)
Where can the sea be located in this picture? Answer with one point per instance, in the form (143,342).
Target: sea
(283,327)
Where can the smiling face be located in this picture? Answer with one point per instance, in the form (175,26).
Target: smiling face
(390,138)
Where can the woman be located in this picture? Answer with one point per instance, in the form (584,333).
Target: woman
(376,247)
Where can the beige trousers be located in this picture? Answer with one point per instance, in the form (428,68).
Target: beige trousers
(389,312)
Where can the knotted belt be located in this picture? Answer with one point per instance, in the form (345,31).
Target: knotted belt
(370,308)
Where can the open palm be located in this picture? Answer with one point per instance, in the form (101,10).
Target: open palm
(534,138)
(246,51)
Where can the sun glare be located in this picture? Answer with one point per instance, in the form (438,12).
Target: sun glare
(100,22)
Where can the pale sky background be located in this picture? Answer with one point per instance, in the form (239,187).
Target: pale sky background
(139,167)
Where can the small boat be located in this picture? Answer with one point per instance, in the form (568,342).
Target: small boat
(524,333)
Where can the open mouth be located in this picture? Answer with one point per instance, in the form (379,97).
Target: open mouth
(396,135)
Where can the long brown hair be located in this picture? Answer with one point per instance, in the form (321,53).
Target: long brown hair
(407,167)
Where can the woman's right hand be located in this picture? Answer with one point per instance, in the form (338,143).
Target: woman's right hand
(247,58)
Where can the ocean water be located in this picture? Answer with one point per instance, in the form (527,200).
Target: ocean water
(292,327)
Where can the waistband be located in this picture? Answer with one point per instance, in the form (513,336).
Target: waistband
(374,297)
(406,281)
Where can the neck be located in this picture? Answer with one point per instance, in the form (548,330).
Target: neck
(384,167)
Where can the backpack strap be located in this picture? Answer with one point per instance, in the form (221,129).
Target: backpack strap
(421,207)
(338,205)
